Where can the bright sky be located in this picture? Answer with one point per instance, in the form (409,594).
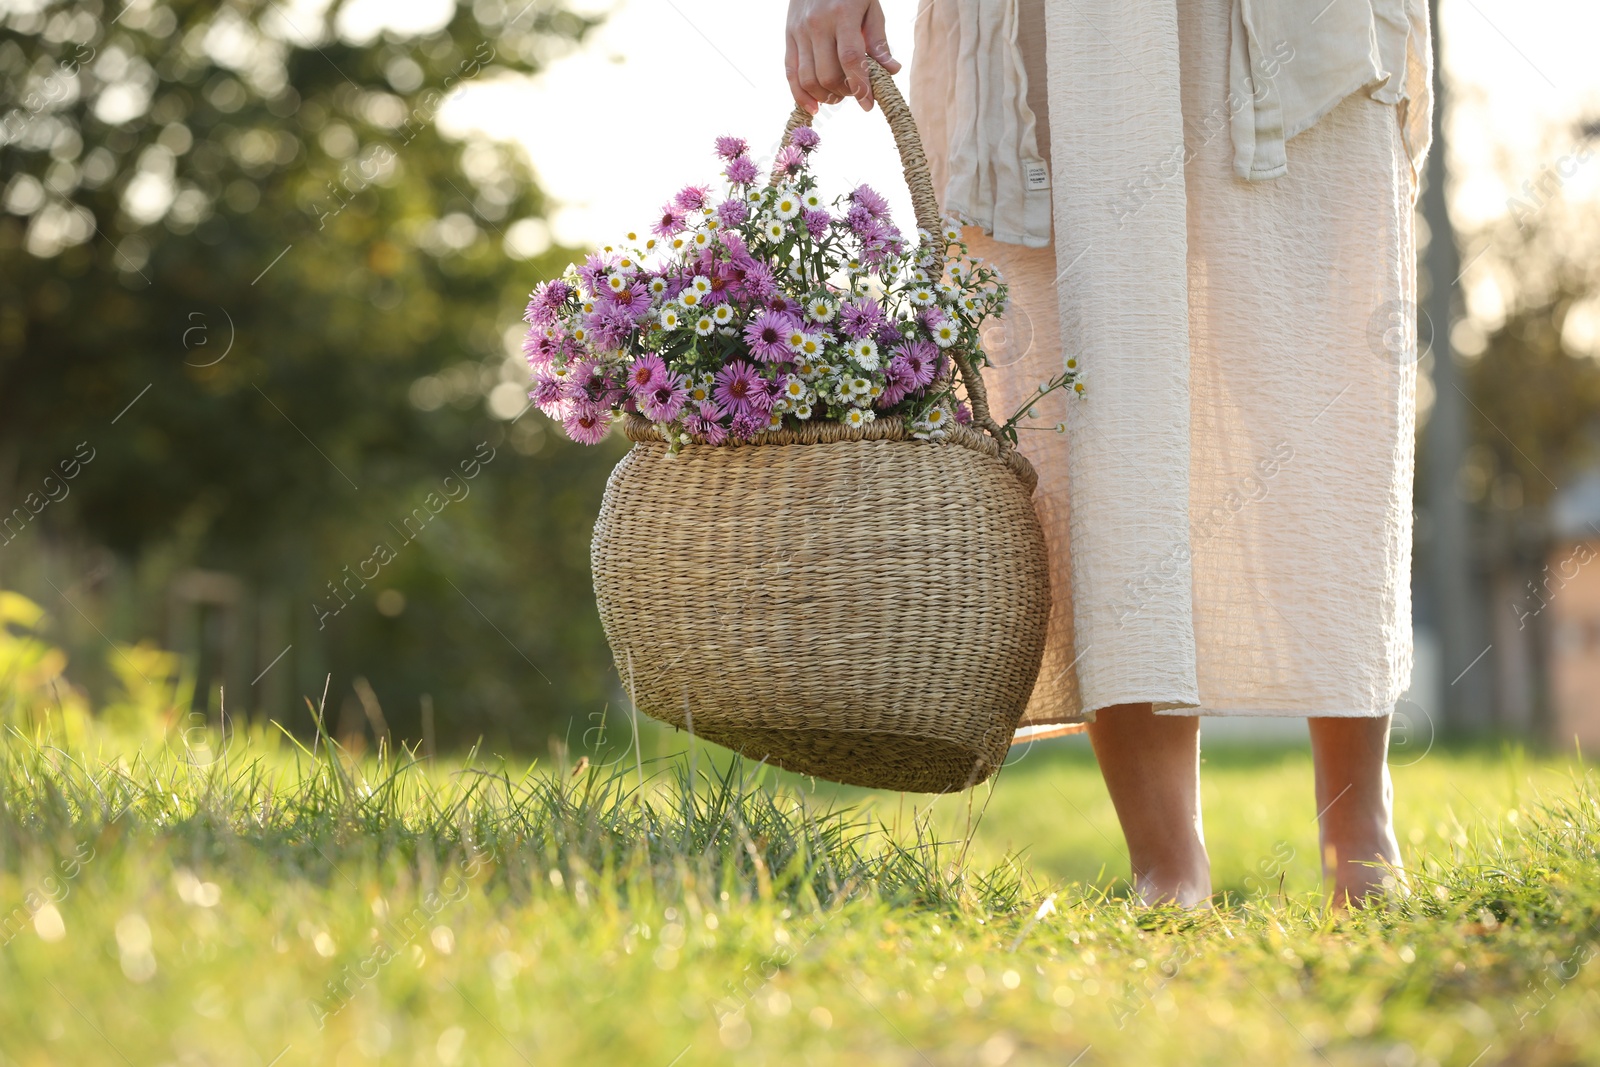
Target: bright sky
(676,73)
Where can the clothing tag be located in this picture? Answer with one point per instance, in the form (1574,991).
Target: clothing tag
(1037,173)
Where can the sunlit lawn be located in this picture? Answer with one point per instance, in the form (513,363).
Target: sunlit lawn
(261,905)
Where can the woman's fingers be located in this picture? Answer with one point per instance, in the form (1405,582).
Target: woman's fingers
(851,48)
(878,38)
(791,70)
(827,48)
(831,77)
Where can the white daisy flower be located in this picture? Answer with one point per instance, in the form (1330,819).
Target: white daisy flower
(952,234)
(651,244)
(944,334)
(774,230)
(616,282)
(855,418)
(704,326)
(794,389)
(812,200)
(678,243)
(657,286)
(865,353)
(787,205)
(921,296)
(722,314)
(700,283)
(588,307)
(918,276)
(969,305)
(946,290)
(958,271)
(580,334)
(806,369)
(691,298)
(775,420)
(699,392)
(802,411)
(821,309)
(670,319)
(859,386)
(700,240)
(810,347)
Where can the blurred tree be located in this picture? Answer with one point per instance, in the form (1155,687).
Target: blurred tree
(241,267)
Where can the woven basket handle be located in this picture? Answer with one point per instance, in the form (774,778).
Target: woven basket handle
(926,205)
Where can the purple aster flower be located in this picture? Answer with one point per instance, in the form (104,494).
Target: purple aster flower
(670,222)
(737,383)
(691,198)
(816,221)
(733,212)
(768,336)
(963,414)
(707,427)
(887,336)
(544,303)
(550,394)
(538,349)
(665,401)
(790,161)
(610,327)
(898,383)
(861,318)
(633,301)
(646,373)
(746,424)
(587,424)
(920,358)
(732,147)
(804,138)
(742,171)
(866,197)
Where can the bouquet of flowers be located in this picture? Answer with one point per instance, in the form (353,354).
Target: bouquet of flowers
(760,309)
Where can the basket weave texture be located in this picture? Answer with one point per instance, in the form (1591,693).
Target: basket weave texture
(856,605)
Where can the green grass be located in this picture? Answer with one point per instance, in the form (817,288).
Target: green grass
(173,904)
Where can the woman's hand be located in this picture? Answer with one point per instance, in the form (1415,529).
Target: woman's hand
(826,49)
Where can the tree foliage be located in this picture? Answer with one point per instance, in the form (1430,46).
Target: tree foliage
(241,264)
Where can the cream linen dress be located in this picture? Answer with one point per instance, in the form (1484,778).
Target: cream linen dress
(1229,505)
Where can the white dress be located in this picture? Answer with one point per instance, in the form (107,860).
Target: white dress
(1229,505)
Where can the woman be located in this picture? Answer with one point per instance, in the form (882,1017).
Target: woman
(1209,205)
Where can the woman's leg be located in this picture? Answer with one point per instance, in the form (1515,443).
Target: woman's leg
(1355,805)
(1151,765)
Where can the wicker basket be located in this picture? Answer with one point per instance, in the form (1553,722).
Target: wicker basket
(856,605)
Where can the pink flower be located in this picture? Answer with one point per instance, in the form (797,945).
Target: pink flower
(664,402)
(920,359)
(768,336)
(670,222)
(816,221)
(790,161)
(732,147)
(544,303)
(742,171)
(861,318)
(804,138)
(587,424)
(646,373)
(737,386)
(691,198)
(733,212)
(746,424)
(865,196)
(550,395)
